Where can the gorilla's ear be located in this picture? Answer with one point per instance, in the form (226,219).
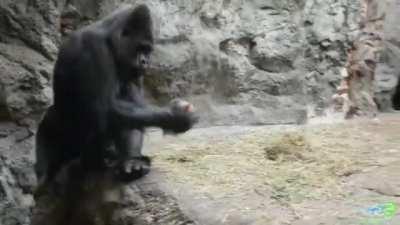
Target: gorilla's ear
(139,21)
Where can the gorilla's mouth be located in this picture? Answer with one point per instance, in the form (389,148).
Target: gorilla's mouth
(138,71)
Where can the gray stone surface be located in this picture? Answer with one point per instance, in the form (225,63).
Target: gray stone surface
(247,62)
(16,174)
(387,73)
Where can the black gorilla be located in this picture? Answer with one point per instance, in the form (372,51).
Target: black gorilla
(98,99)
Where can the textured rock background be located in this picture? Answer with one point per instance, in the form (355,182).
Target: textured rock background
(253,62)
(238,61)
(388,69)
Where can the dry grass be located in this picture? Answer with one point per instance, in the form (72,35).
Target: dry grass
(287,146)
(289,166)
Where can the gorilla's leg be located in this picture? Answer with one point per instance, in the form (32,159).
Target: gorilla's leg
(130,143)
(133,164)
(46,166)
(54,147)
(47,136)
(47,163)
(42,162)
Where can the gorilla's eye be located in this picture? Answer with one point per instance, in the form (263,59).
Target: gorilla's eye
(144,48)
(126,32)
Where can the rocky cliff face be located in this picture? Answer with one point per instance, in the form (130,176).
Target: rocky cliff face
(238,61)
(242,62)
(253,62)
(388,90)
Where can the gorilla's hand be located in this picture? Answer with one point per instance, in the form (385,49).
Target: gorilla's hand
(133,169)
(181,119)
(179,122)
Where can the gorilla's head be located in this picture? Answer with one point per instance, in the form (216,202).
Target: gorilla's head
(134,42)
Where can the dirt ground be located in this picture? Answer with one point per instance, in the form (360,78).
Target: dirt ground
(344,173)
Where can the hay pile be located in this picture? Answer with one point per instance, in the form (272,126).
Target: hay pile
(290,166)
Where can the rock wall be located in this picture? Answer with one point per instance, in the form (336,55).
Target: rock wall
(238,61)
(28,46)
(251,62)
(388,91)
(247,62)
(356,93)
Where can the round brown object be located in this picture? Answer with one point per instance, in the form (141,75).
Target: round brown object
(181,105)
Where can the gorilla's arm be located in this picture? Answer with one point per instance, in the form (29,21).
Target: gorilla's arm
(126,114)
(135,116)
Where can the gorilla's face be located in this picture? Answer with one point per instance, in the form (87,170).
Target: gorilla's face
(142,57)
(135,52)
(135,42)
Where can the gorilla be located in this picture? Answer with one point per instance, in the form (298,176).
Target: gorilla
(98,99)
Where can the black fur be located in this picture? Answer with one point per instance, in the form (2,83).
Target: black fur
(98,99)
